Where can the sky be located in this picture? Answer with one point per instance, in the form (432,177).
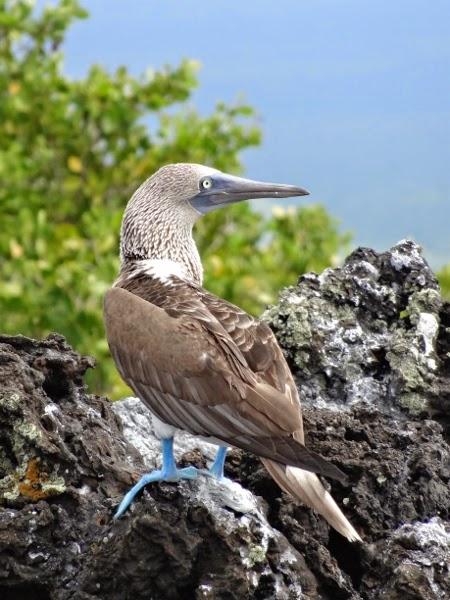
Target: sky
(353,97)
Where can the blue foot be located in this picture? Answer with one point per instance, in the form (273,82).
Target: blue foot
(169,472)
(216,469)
(158,475)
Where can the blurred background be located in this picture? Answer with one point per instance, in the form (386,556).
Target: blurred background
(348,99)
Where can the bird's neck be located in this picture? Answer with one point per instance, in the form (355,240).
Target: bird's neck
(165,253)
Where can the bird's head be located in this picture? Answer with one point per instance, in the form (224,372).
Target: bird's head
(168,203)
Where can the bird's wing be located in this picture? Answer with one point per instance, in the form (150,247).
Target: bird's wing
(188,370)
(260,349)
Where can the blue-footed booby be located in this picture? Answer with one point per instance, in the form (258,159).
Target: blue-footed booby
(199,363)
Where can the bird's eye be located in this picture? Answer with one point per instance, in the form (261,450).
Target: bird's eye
(206,183)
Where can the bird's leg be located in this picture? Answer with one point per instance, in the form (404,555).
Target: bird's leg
(169,467)
(216,469)
(169,472)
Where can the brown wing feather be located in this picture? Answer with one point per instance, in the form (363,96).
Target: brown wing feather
(192,375)
(260,348)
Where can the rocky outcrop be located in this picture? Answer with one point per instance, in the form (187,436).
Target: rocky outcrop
(369,345)
(65,463)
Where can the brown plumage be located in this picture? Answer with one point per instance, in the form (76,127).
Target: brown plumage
(203,365)
(193,375)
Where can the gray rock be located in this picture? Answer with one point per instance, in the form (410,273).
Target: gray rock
(65,464)
(415,559)
(367,333)
(369,345)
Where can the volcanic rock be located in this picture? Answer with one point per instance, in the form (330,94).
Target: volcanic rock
(369,346)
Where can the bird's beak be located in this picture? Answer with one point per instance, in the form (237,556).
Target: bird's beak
(226,189)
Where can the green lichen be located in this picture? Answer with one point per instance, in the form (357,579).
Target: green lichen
(10,401)
(301,321)
(25,433)
(290,319)
(428,300)
(256,554)
(9,489)
(403,359)
(339,326)
(406,355)
(414,403)
(9,485)
(28,431)
(53,486)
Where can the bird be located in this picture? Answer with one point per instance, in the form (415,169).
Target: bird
(198,362)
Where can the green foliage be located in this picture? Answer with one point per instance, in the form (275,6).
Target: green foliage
(444,281)
(71,154)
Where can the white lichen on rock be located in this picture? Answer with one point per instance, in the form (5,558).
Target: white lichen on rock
(363,333)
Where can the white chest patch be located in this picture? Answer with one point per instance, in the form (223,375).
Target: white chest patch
(162,430)
(162,269)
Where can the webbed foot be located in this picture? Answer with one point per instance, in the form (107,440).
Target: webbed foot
(170,472)
(157,475)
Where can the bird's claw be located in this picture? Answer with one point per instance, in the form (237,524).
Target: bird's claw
(169,472)
(154,476)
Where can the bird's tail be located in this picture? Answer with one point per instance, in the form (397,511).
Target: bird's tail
(306,487)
